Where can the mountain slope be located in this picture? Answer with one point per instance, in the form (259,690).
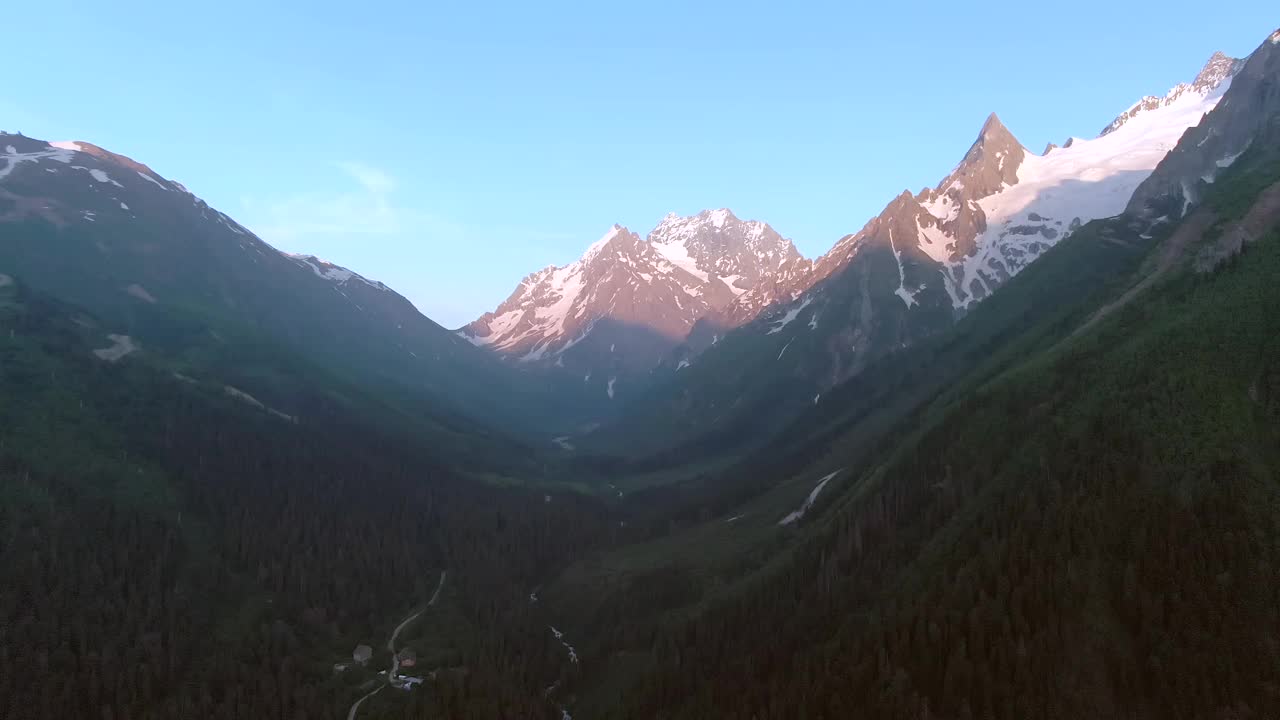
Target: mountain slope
(908,274)
(1111,506)
(173,549)
(626,302)
(1047,511)
(104,231)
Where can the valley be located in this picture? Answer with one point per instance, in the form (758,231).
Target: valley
(1009,450)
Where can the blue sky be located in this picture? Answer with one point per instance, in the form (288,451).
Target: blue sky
(449,149)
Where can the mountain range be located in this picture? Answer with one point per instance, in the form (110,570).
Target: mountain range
(910,272)
(627,302)
(1009,450)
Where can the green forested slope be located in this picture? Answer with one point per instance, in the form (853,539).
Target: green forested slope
(1089,530)
(169,550)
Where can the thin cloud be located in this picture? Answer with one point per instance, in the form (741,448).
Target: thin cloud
(373,180)
(366,209)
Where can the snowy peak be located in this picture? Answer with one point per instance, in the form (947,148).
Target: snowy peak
(717,244)
(1218,70)
(1002,206)
(1244,107)
(616,238)
(627,300)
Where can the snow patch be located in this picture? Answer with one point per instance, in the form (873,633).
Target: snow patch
(152,180)
(612,380)
(102,177)
(784,348)
(121,345)
(141,293)
(808,502)
(907,296)
(327,270)
(245,397)
(12,158)
(790,315)
(678,255)
(536,353)
(1229,160)
(683,364)
(730,281)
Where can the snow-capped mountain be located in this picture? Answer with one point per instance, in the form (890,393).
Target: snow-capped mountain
(997,211)
(1003,206)
(1219,68)
(627,301)
(925,260)
(1239,120)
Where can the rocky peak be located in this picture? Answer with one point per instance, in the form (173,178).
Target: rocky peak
(617,238)
(990,164)
(1249,105)
(1217,70)
(717,244)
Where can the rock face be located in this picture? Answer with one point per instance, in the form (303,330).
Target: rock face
(627,301)
(1252,103)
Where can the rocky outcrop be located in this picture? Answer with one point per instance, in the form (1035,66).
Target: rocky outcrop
(1245,109)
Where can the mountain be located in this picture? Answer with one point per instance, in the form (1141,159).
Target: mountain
(101,230)
(208,537)
(1077,514)
(621,307)
(1219,69)
(1058,507)
(1184,176)
(909,273)
(1049,493)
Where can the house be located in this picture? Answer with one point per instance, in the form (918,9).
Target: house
(407,657)
(407,683)
(362,653)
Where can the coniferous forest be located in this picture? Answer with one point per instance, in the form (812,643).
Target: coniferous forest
(1061,502)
